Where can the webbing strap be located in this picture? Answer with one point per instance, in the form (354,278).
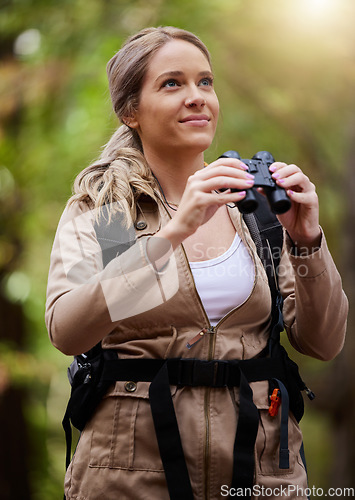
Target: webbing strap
(195,372)
(277,324)
(68,433)
(247,429)
(267,233)
(284,461)
(168,436)
(167,430)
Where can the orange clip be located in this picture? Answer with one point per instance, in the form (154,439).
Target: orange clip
(275,402)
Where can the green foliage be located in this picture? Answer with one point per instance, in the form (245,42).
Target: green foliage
(284,77)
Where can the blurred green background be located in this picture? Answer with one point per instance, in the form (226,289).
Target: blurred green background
(285,72)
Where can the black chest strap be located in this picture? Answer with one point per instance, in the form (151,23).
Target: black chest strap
(194,373)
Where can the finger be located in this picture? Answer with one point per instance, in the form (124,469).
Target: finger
(222,183)
(220,171)
(291,175)
(231,162)
(308,198)
(226,197)
(298,182)
(276,166)
(284,170)
(203,199)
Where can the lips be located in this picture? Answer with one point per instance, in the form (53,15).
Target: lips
(195,121)
(195,118)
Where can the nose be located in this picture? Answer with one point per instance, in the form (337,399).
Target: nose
(195,99)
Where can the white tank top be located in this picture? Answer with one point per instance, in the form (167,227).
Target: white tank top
(226,281)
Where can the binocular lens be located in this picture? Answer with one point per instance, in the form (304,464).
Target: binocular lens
(278,200)
(281,206)
(249,203)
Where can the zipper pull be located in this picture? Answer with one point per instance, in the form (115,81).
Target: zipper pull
(309,393)
(196,338)
(199,336)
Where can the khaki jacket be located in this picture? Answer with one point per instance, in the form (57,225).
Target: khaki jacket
(144,313)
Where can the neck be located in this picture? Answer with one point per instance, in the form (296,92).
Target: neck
(172,173)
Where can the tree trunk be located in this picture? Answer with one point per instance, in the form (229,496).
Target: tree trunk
(14,449)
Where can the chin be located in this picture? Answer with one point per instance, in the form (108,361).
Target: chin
(199,143)
(200,147)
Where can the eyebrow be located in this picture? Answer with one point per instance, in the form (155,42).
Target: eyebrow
(168,74)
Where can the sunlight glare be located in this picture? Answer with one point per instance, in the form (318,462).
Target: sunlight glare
(315,13)
(318,7)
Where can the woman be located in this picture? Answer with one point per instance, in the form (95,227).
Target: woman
(146,304)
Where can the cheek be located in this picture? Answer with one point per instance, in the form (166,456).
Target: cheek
(216,107)
(145,120)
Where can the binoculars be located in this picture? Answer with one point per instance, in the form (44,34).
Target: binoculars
(259,166)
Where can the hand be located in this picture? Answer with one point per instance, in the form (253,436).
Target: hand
(200,201)
(302,220)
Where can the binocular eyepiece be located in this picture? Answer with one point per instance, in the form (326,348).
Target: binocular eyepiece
(259,166)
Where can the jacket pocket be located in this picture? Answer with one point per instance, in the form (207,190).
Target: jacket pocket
(123,434)
(267,445)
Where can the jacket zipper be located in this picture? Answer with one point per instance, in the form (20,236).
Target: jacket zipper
(212,330)
(211,350)
(199,336)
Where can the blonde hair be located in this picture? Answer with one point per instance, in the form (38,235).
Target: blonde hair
(121,173)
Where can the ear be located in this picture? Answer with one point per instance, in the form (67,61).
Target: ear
(131,121)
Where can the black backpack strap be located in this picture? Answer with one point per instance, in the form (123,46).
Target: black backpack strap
(68,434)
(267,233)
(284,461)
(88,386)
(245,438)
(168,437)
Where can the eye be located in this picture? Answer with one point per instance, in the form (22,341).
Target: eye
(206,82)
(171,83)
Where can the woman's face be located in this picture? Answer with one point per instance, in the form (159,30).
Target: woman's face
(178,108)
